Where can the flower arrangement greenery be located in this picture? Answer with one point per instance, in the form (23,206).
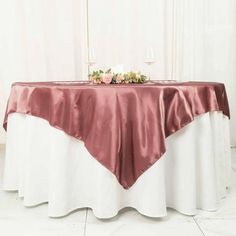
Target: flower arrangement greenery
(109,77)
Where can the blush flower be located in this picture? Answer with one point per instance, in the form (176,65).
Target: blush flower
(119,79)
(107,78)
(92,78)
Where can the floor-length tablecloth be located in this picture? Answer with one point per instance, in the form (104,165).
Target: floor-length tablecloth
(46,165)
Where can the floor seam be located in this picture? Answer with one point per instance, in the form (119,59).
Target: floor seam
(198,226)
(85,222)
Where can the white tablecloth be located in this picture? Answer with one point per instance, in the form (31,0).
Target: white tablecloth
(46,165)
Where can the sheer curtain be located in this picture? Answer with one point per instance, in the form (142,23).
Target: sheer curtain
(48,40)
(41,40)
(206,45)
(121,32)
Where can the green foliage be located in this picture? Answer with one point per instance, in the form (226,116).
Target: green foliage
(129,77)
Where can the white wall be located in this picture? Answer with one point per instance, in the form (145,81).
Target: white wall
(47,40)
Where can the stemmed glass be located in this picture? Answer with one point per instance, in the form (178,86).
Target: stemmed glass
(91,59)
(149,60)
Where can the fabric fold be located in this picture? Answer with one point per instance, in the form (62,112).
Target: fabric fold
(123,126)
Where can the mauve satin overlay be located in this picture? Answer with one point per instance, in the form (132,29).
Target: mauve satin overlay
(123,126)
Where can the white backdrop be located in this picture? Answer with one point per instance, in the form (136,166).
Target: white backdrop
(48,40)
(40,40)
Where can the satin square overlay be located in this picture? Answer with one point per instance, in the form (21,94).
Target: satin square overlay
(123,126)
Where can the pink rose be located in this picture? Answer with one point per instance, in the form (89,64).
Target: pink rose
(107,78)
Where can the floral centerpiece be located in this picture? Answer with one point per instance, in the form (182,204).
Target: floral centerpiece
(109,77)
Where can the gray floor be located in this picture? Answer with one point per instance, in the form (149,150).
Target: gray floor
(15,219)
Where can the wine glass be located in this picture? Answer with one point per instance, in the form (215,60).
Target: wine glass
(149,60)
(91,59)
